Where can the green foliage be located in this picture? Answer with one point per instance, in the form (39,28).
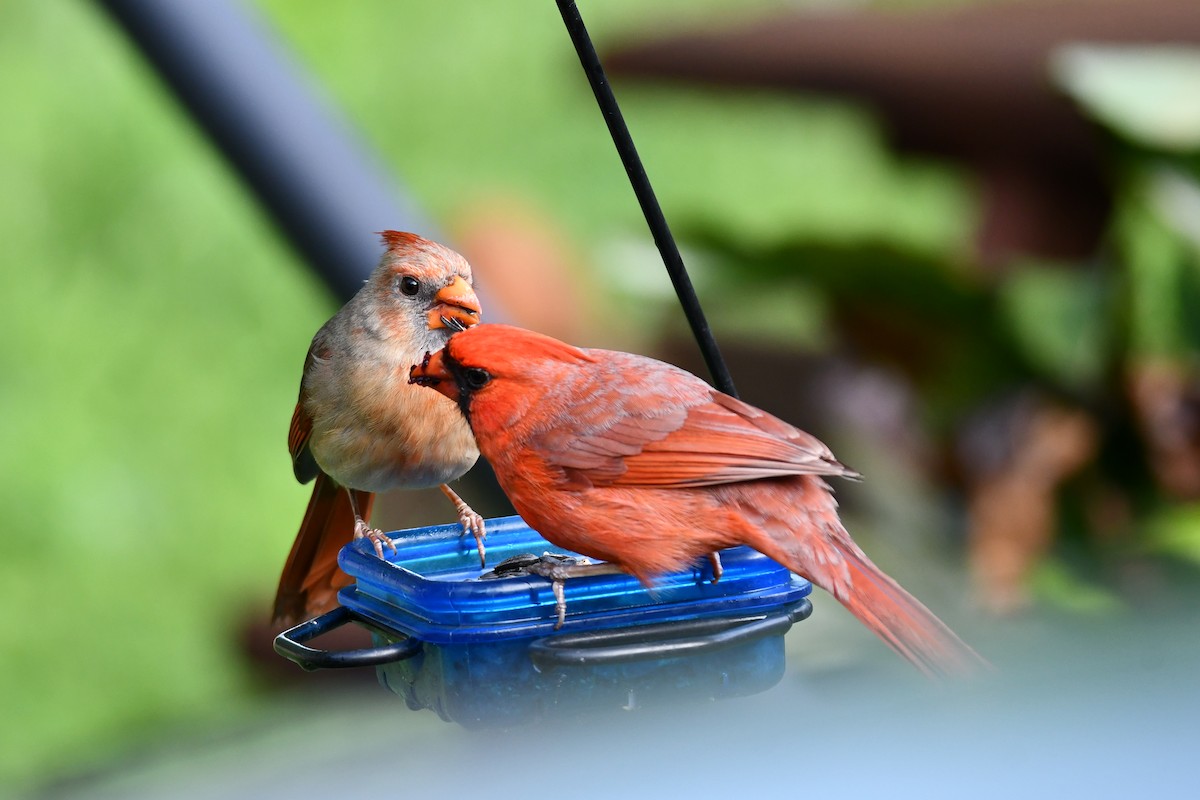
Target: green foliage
(768,171)
(1175,531)
(1162,262)
(461,110)
(1061,321)
(1054,583)
(1149,98)
(155,325)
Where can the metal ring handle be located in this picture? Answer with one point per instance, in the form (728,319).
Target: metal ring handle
(289,644)
(663,639)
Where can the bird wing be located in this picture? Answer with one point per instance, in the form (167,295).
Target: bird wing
(303,464)
(652,434)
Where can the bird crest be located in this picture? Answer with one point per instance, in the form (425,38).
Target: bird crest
(401,240)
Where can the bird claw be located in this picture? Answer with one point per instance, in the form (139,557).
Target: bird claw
(554,567)
(559,587)
(473,524)
(557,568)
(556,573)
(714,558)
(378,538)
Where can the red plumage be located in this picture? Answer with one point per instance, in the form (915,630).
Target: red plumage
(636,462)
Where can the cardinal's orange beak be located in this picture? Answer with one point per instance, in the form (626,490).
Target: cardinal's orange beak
(455,306)
(432,372)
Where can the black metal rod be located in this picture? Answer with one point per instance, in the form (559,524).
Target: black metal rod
(320,183)
(645,195)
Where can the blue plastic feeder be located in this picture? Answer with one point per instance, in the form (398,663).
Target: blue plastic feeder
(483,651)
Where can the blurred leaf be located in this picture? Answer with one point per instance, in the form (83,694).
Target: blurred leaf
(788,312)
(791,313)
(918,313)
(1054,584)
(1059,320)
(513,112)
(1147,94)
(768,170)
(1162,273)
(1174,194)
(1175,531)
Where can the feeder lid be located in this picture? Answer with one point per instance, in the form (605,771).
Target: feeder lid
(431,588)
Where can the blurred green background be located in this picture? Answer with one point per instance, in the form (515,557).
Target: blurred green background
(155,323)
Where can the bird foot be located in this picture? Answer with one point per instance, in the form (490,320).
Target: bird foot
(557,568)
(471,522)
(554,567)
(378,538)
(714,558)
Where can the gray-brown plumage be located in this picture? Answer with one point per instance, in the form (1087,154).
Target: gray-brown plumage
(359,428)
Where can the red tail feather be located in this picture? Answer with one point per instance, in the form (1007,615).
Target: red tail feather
(311,578)
(902,621)
(836,564)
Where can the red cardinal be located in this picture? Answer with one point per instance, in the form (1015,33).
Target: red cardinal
(361,428)
(636,462)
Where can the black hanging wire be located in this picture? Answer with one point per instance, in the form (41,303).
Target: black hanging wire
(645,195)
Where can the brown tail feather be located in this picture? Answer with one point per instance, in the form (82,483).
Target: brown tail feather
(311,577)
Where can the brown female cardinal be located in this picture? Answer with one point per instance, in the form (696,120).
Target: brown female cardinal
(638,463)
(361,428)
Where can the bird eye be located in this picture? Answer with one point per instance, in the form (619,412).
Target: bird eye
(409,285)
(476,378)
